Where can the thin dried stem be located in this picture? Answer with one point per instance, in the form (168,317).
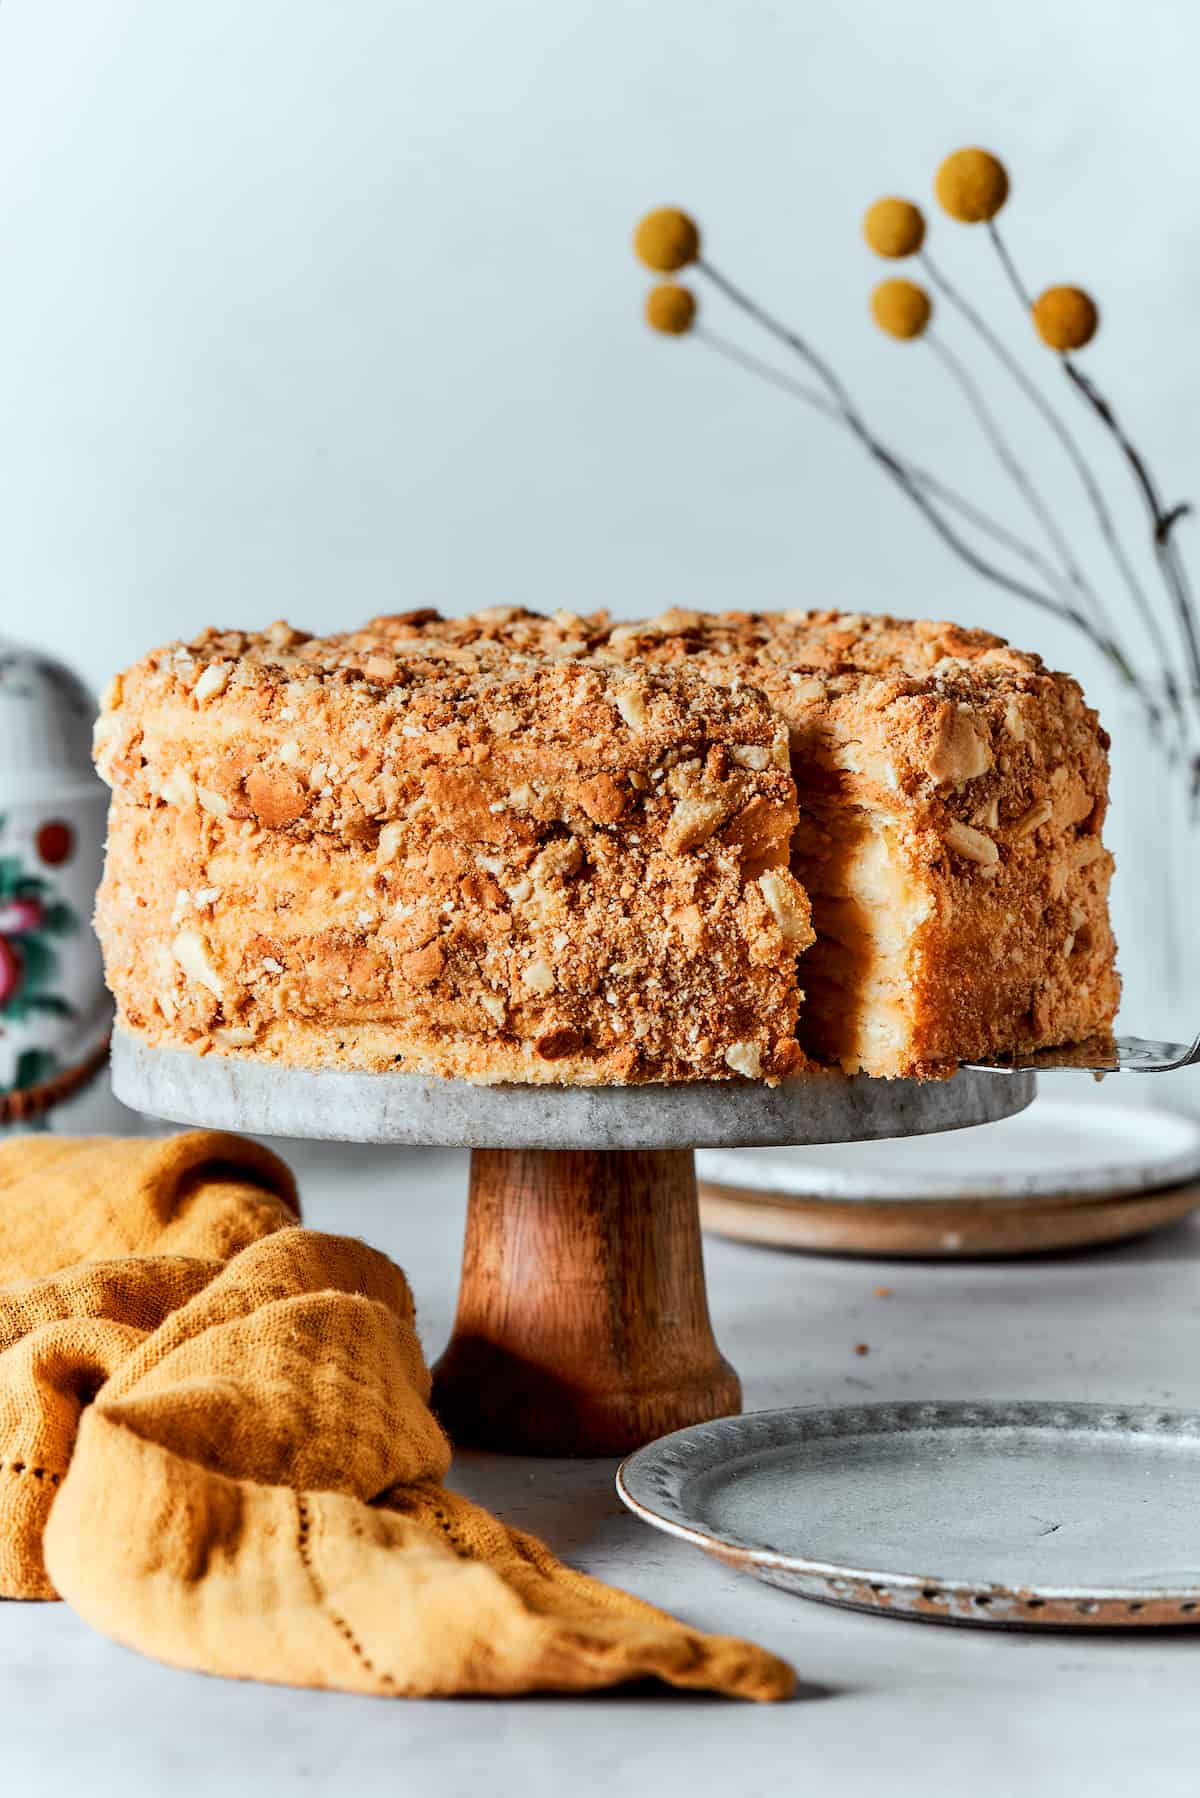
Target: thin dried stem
(894,466)
(785,335)
(1009,266)
(1013,467)
(1061,431)
(991,527)
(1161,520)
(939,490)
(1165,552)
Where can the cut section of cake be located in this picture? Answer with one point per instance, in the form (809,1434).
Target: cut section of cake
(394,850)
(952,792)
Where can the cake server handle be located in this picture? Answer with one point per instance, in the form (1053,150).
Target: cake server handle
(1102,1055)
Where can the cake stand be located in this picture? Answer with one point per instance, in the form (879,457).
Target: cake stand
(583,1324)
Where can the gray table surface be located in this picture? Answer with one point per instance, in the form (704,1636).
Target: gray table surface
(885,1705)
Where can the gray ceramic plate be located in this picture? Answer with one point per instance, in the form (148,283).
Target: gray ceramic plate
(1013,1514)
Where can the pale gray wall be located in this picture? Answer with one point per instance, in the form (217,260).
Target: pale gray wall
(319,310)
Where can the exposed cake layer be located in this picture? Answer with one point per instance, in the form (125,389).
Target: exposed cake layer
(952,794)
(444,860)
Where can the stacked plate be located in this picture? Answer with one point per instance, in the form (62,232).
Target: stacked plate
(1063,1174)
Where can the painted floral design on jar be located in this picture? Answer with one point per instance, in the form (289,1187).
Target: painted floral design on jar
(54,1011)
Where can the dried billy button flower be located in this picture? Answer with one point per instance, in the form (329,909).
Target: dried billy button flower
(670,308)
(1066,317)
(972,186)
(901,308)
(666,240)
(894,227)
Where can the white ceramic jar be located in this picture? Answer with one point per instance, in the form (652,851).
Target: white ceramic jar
(55,1012)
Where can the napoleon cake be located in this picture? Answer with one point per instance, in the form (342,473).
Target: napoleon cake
(391,850)
(517,847)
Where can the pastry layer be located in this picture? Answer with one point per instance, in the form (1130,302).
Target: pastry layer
(461,864)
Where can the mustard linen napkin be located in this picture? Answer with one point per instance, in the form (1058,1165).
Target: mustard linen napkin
(216,1444)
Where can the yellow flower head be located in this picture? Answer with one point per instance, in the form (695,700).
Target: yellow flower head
(901,308)
(971,185)
(1066,317)
(894,227)
(667,239)
(670,308)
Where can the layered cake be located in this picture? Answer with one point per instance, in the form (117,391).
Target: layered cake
(516,847)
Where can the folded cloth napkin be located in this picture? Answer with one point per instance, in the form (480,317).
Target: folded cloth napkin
(216,1444)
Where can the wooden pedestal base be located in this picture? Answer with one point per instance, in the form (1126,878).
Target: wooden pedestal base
(583,1324)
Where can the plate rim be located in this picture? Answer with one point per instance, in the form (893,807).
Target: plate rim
(1114,1179)
(268,1099)
(992,1413)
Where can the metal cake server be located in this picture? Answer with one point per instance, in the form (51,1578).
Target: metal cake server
(1099,1055)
